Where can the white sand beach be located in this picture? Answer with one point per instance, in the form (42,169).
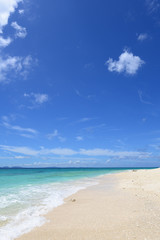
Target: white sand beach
(122,206)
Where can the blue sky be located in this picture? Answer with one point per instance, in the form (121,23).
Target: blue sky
(79,83)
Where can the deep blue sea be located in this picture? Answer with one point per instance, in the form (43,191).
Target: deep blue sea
(26,195)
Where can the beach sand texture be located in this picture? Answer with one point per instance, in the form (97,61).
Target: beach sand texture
(122,206)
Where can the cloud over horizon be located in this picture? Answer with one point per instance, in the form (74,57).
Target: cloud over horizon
(70,152)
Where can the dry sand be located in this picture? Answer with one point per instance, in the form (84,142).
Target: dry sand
(123,206)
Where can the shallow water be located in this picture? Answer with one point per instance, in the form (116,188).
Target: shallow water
(26,195)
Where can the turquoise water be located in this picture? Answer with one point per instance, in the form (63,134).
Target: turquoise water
(10,178)
(26,195)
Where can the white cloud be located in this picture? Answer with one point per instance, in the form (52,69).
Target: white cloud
(52,135)
(61,139)
(21,11)
(37,98)
(14,65)
(5,118)
(152,5)
(108,160)
(70,152)
(155,146)
(6,8)
(140,93)
(11,117)
(127,63)
(43,152)
(89,66)
(4,42)
(93,128)
(19,157)
(78,93)
(60,151)
(56,134)
(79,138)
(19,129)
(111,153)
(21,32)
(85,119)
(9,64)
(27,135)
(89,96)
(142,36)
(27,61)
(20,150)
(144,120)
(40,98)
(24,132)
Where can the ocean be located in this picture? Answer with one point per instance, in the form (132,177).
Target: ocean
(26,195)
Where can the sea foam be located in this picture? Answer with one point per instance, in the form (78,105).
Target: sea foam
(24,209)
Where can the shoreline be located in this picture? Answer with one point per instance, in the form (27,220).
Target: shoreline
(122,206)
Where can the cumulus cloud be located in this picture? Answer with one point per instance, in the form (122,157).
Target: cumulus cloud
(21,32)
(142,36)
(6,8)
(4,42)
(127,63)
(14,65)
